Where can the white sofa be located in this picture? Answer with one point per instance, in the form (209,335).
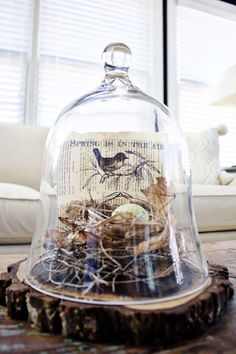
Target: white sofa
(214,190)
(21,153)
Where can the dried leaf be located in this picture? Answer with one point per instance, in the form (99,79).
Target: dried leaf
(160,199)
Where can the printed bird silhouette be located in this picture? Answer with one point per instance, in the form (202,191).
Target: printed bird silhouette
(110,164)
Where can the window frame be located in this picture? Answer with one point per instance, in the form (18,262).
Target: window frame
(32,72)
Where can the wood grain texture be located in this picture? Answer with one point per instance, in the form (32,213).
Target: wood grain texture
(219,338)
(5,282)
(17,337)
(133,325)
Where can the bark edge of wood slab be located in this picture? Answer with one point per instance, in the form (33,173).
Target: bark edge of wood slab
(116,323)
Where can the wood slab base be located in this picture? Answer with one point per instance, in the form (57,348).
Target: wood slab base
(117,324)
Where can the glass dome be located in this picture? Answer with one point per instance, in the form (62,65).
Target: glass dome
(116,224)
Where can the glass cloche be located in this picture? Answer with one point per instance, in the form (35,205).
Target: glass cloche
(116,224)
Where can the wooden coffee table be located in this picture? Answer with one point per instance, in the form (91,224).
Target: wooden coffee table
(19,337)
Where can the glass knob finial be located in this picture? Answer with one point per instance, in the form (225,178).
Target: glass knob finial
(117,56)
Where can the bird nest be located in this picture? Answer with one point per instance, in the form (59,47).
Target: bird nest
(95,251)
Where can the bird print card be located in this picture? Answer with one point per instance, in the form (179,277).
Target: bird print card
(103,166)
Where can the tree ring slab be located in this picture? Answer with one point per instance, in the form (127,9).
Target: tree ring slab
(148,324)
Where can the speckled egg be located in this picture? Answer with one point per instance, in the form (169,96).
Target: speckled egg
(135,209)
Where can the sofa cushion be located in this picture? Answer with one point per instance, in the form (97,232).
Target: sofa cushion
(18,212)
(21,152)
(214,207)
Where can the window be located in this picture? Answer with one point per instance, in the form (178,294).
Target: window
(53,53)
(15,44)
(205,47)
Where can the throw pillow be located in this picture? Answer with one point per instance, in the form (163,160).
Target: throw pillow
(204,155)
(225,177)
